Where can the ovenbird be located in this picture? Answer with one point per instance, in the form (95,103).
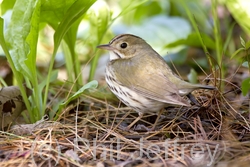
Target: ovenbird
(141,78)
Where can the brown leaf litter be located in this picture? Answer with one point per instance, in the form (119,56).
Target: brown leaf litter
(91,133)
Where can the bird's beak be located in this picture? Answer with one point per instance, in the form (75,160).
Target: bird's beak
(105,46)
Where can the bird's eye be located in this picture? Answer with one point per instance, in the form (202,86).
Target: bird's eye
(123,45)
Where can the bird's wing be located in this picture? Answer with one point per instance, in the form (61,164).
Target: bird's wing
(147,82)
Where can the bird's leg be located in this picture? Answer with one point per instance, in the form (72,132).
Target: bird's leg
(136,120)
(157,119)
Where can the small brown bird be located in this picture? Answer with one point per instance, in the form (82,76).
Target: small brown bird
(141,78)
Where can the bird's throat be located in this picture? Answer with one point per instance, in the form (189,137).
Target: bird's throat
(114,55)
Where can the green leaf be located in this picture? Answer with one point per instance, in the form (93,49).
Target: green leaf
(72,19)
(195,9)
(31,40)
(245,86)
(17,32)
(52,78)
(21,39)
(130,5)
(247,45)
(93,84)
(193,40)
(6,5)
(71,58)
(192,76)
(152,8)
(54,10)
(237,51)
(100,19)
(240,11)
(243,43)
(103,21)
(30,61)
(75,11)
(3,43)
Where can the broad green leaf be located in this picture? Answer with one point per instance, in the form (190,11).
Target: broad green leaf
(31,40)
(64,17)
(72,19)
(74,12)
(30,61)
(193,40)
(54,10)
(21,39)
(245,86)
(130,5)
(17,32)
(18,75)
(240,11)
(153,8)
(57,6)
(7,5)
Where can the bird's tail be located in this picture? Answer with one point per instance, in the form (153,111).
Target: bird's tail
(205,87)
(191,87)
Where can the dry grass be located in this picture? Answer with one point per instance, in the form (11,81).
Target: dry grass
(91,133)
